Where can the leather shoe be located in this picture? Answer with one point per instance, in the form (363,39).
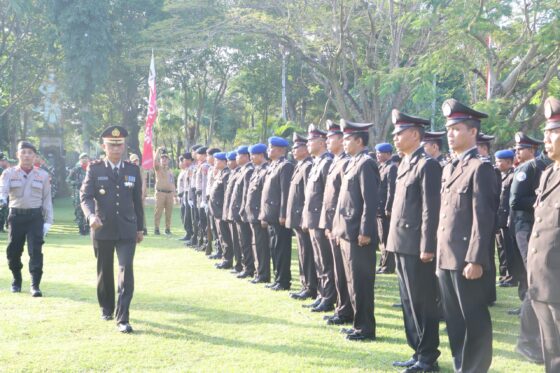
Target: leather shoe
(514,312)
(422,367)
(280,287)
(106,317)
(124,327)
(224,265)
(184,238)
(270,286)
(337,320)
(235,271)
(303,295)
(156,232)
(347,330)
(323,307)
(258,280)
(529,355)
(36,292)
(245,274)
(314,304)
(357,336)
(405,364)
(16,287)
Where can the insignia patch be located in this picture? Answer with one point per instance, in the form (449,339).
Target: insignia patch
(102,178)
(116,132)
(522,176)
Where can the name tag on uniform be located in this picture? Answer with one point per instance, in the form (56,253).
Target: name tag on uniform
(102,178)
(37,184)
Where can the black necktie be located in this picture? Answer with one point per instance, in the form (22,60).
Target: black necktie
(116,172)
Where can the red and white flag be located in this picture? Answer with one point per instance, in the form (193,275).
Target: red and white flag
(148,153)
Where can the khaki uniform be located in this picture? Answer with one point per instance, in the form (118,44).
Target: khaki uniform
(165,192)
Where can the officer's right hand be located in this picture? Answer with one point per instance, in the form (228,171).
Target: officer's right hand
(264,224)
(95,222)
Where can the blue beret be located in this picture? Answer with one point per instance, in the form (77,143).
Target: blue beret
(257,149)
(278,141)
(231,156)
(222,156)
(384,148)
(504,154)
(242,149)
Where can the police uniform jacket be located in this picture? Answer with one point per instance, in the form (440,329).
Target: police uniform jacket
(543,258)
(503,209)
(415,212)
(254,193)
(296,195)
(240,187)
(356,211)
(116,201)
(276,186)
(228,197)
(315,190)
(217,193)
(388,175)
(332,189)
(468,203)
(525,182)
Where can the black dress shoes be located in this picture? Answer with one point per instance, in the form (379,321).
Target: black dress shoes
(531,356)
(124,327)
(270,286)
(397,305)
(514,312)
(16,287)
(224,265)
(337,320)
(323,307)
(405,364)
(184,238)
(347,330)
(280,287)
(314,304)
(258,280)
(35,292)
(156,232)
(303,295)
(245,274)
(357,336)
(422,367)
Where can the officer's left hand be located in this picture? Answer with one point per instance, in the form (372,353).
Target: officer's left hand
(46,228)
(426,257)
(139,236)
(282,221)
(363,240)
(472,271)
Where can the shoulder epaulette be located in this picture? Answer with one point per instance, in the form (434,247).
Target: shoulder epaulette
(94,162)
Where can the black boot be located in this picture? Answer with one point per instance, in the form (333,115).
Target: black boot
(16,283)
(35,281)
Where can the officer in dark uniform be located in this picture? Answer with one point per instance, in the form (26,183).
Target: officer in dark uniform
(355,228)
(433,144)
(75,178)
(111,198)
(465,241)
(3,209)
(260,241)
(412,237)
(231,250)
(314,193)
(295,207)
(388,174)
(544,252)
(511,265)
(343,312)
(273,213)
(522,198)
(28,190)
(216,202)
(243,226)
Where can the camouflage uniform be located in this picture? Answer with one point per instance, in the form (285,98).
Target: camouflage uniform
(75,178)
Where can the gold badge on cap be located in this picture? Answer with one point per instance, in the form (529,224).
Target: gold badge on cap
(116,132)
(517,137)
(446,109)
(102,191)
(547,109)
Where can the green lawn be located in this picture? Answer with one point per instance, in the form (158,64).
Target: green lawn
(189,316)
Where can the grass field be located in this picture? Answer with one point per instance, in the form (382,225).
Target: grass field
(188,316)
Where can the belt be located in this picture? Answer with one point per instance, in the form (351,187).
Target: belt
(164,191)
(521,213)
(16,211)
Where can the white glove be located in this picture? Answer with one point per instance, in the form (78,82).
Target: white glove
(46,228)
(191,203)
(204,205)
(3,202)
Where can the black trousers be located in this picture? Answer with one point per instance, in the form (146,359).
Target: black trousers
(104,252)
(237,255)
(343,304)
(511,262)
(261,251)
(194,216)
(213,235)
(529,333)
(548,315)
(245,242)
(469,327)
(202,226)
(224,233)
(307,272)
(186,218)
(418,290)
(323,265)
(281,248)
(387,259)
(360,273)
(21,228)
